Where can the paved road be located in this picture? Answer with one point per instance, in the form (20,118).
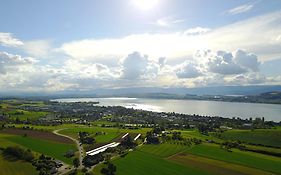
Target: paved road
(80,147)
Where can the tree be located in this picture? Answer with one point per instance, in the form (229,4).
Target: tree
(110,170)
(76,162)
(151,138)
(128,142)
(203,129)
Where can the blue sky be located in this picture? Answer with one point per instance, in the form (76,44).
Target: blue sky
(70,44)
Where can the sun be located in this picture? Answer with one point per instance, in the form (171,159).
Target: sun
(145,4)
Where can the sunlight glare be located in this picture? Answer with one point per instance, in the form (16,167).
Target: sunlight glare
(145,4)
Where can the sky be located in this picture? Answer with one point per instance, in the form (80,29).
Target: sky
(85,45)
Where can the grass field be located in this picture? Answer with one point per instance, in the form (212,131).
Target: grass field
(109,133)
(31,115)
(10,107)
(53,149)
(199,159)
(215,167)
(254,160)
(16,167)
(163,150)
(270,137)
(141,163)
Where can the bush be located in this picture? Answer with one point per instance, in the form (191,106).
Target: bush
(19,153)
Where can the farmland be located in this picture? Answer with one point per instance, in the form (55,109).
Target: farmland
(16,167)
(194,160)
(107,134)
(259,161)
(50,145)
(140,163)
(265,137)
(214,166)
(161,150)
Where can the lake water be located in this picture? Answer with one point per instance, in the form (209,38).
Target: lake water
(210,108)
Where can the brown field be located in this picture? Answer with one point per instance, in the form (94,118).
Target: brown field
(215,166)
(37,134)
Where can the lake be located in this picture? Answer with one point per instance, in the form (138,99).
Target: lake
(210,108)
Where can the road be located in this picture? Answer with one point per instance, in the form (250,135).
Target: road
(80,147)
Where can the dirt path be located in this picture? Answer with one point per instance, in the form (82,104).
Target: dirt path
(80,148)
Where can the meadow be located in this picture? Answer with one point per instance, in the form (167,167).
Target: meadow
(140,163)
(26,115)
(163,150)
(11,167)
(269,137)
(50,148)
(215,167)
(254,160)
(108,133)
(197,159)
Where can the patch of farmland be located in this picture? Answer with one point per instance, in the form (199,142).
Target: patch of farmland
(141,163)
(24,115)
(163,150)
(53,149)
(110,132)
(270,137)
(254,160)
(37,134)
(16,167)
(214,166)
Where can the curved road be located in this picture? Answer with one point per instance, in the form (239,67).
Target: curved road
(80,147)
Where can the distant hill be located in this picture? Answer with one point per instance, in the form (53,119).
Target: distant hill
(155,91)
(218,90)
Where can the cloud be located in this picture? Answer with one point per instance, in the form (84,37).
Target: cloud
(189,69)
(162,61)
(247,60)
(8,40)
(37,48)
(168,21)
(227,63)
(205,68)
(196,31)
(263,41)
(248,79)
(240,9)
(137,66)
(11,62)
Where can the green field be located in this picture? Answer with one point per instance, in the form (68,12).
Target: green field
(270,137)
(53,149)
(215,167)
(255,160)
(163,150)
(109,133)
(16,167)
(30,115)
(198,159)
(141,163)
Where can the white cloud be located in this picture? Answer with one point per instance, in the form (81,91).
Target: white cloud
(240,9)
(246,60)
(206,68)
(227,63)
(11,62)
(162,61)
(37,48)
(189,69)
(196,31)
(136,66)
(168,21)
(7,39)
(257,35)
